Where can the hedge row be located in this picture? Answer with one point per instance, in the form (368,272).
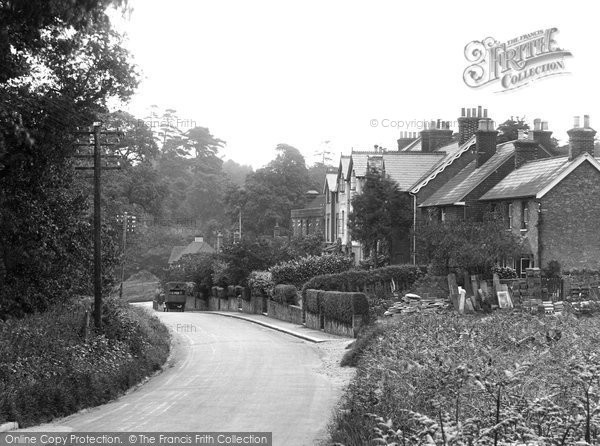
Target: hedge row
(297,272)
(357,280)
(260,283)
(342,306)
(285,294)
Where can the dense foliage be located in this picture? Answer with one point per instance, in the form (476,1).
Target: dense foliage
(381,214)
(404,276)
(261,283)
(449,379)
(49,370)
(285,294)
(297,272)
(340,307)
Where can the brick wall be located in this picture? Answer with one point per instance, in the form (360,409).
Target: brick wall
(569,221)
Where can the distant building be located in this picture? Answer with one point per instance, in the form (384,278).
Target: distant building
(310,219)
(198,246)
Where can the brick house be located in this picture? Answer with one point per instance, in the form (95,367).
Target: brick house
(309,220)
(553,203)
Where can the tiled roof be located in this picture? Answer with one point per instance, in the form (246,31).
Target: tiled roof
(331,181)
(469,178)
(176,253)
(360,161)
(406,168)
(197,248)
(453,152)
(533,177)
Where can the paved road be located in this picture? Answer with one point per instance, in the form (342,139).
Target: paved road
(225,375)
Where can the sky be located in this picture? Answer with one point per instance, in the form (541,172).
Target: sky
(337,75)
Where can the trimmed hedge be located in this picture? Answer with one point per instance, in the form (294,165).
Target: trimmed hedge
(312,302)
(340,306)
(297,272)
(357,280)
(285,294)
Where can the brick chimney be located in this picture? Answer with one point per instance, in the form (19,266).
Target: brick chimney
(486,141)
(435,135)
(581,139)
(541,133)
(468,122)
(405,139)
(526,148)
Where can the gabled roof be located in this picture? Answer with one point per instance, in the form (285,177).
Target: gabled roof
(197,248)
(344,165)
(406,168)
(330,182)
(537,178)
(360,162)
(176,253)
(469,178)
(453,152)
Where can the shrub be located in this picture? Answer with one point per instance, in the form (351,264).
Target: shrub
(358,280)
(297,272)
(261,283)
(340,306)
(312,302)
(504,272)
(285,294)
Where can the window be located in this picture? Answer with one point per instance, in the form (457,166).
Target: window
(338,225)
(524,215)
(526,262)
(353,181)
(343,225)
(510,216)
(342,185)
(443,216)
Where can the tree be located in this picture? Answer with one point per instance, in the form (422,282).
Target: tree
(471,246)
(509,129)
(270,193)
(380,214)
(61,63)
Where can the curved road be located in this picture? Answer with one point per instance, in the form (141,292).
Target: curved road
(225,374)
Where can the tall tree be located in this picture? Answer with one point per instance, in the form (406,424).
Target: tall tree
(379,213)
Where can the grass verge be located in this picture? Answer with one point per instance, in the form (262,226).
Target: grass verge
(504,378)
(48,369)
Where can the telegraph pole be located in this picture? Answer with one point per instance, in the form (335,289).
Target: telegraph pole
(97,230)
(124,247)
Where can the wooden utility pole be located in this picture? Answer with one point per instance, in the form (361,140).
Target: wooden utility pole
(97,168)
(124,247)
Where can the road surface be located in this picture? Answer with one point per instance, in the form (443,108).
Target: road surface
(226,375)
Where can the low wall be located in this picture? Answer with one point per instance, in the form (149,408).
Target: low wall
(233,304)
(296,315)
(340,329)
(257,303)
(223,304)
(247,306)
(213,303)
(313,321)
(193,303)
(279,311)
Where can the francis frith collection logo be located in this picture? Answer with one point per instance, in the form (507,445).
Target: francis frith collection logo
(516,62)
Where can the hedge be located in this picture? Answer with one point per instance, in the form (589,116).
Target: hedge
(357,280)
(297,272)
(285,294)
(312,302)
(341,306)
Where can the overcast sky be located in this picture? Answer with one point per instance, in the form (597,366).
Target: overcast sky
(266,72)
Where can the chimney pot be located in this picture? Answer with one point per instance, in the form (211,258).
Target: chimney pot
(479,111)
(474,112)
(485,113)
(439,124)
(576,122)
(586,121)
(537,124)
(544,125)
(521,134)
(468,112)
(462,112)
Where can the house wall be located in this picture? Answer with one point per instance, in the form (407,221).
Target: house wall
(569,218)
(342,210)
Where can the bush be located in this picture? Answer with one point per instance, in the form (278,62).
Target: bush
(297,272)
(48,369)
(357,280)
(504,272)
(285,294)
(340,306)
(464,371)
(261,283)
(312,302)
